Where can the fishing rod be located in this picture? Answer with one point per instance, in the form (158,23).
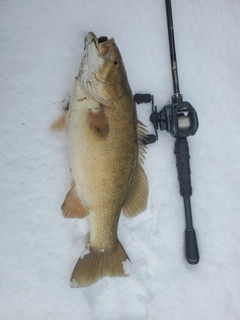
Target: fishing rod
(179,119)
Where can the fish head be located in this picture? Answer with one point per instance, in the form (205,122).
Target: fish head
(102,73)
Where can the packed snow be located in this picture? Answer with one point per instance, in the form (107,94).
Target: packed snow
(41,49)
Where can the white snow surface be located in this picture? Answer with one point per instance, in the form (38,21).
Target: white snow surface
(41,48)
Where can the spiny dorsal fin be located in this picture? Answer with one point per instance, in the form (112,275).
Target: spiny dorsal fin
(61,123)
(137,197)
(72,206)
(98,121)
(98,263)
(142,130)
(142,135)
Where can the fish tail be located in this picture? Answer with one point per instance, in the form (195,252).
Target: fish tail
(97,263)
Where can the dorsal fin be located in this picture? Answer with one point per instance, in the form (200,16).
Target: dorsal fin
(142,135)
(137,197)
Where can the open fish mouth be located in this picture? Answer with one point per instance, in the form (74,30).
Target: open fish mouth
(100,42)
(105,42)
(102,39)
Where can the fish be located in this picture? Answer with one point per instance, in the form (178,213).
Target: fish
(106,154)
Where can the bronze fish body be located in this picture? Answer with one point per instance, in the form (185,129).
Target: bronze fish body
(105,155)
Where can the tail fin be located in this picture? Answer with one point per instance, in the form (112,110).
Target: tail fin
(99,263)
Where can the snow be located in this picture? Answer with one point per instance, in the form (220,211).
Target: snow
(126,267)
(41,49)
(86,251)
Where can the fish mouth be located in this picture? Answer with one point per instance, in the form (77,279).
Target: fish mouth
(102,39)
(100,42)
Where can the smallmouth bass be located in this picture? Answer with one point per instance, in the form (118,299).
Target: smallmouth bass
(105,153)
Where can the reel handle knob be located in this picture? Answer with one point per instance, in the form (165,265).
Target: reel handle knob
(142,98)
(151,138)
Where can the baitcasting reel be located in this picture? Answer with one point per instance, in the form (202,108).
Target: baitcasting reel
(179,118)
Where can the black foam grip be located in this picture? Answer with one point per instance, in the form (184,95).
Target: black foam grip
(183,167)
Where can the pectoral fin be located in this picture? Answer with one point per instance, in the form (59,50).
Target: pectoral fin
(98,121)
(72,206)
(136,199)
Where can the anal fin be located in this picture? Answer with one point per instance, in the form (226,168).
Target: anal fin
(72,206)
(137,197)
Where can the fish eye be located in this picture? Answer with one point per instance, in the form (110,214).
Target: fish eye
(117,63)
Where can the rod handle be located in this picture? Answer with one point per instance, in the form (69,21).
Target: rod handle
(183,166)
(192,254)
